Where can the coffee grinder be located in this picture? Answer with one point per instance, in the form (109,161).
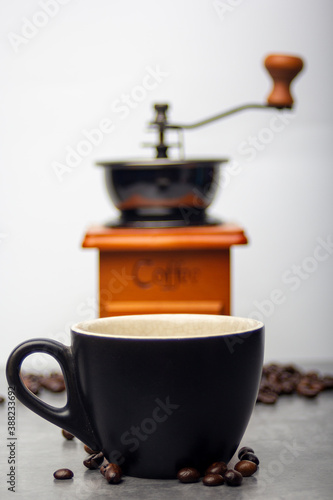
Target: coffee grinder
(165,253)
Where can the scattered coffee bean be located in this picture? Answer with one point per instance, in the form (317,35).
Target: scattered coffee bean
(309,388)
(188,475)
(212,480)
(246,467)
(94,461)
(251,457)
(90,451)
(67,435)
(32,382)
(245,449)
(2,399)
(63,474)
(113,473)
(287,387)
(217,468)
(267,396)
(277,380)
(54,382)
(233,478)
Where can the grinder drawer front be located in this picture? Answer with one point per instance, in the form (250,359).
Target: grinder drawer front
(165,282)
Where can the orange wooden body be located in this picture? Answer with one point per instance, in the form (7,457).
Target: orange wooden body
(178,270)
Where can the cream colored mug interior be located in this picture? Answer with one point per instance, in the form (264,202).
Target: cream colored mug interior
(166,326)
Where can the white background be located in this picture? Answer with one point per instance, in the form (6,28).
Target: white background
(65,76)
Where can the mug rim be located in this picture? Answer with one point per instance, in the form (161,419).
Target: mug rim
(153,326)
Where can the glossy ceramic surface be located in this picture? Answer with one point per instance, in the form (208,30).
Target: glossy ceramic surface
(155,392)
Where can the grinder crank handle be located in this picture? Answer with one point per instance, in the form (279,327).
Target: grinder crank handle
(283,69)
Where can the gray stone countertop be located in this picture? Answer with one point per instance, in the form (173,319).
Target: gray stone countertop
(293,440)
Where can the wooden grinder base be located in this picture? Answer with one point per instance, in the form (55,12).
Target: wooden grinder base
(178,270)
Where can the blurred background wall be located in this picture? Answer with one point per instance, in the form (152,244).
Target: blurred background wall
(67,67)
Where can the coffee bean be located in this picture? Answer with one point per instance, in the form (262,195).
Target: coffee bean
(287,387)
(308,390)
(94,461)
(233,478)
(291,369)
(87,462)
(288,379)
(267,397)
(2,399)
(54,382)
(90,451)
(188,475)
(245,449)
(32,382)
(251,457)
(310,385)
(274,382)
(113,473)
(63,474)
(67,435)
(273,368)
(312,375)
(246,467)
(217,468)
(212,480)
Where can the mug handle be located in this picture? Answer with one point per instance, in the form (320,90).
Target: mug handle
(71,417)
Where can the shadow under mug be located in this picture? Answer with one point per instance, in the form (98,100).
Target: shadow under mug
(155,393)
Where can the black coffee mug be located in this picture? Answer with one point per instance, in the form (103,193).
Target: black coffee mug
(155,393)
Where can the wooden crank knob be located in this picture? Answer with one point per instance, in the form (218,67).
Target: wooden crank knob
(283,70)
